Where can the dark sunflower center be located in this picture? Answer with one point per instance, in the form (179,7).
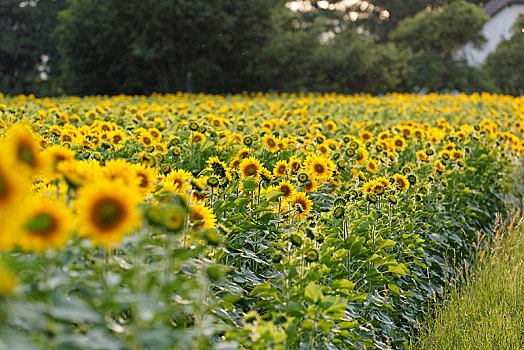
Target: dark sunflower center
(271,143)
(42,224)
(117,139)
(26,155)
(4,189)
(285,190)
(300,207)
(398,143)
(251,170)
(143,180)
(108,213)
(319,168)
(174,220)
(282,170)
(219,169)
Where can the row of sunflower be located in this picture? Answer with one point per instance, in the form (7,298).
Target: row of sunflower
(252,220)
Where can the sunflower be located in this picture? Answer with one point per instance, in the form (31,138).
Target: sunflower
(280,168)
(361,155)
(120,169)
(177,181)
(312,255)
(287,189)
(422,156)
(438,166)
(147,159)
(383,181)
(217,166)
(444,154)
(146,177)
(368,186)
(418,133)
(198,186)
(450,146)
(160,147)
(78,172)
(244,153)
(57,154)
(198,137)
(45,225)
(319,167)
(117,137)
(406,131)
(107,211)
(323,148)
(302,178)
(271,143)
(202,217)
(301,205)
(310,185)
(456,154)
(461,135)
(401,182)
(146,139)
(331,126)
(12,185)
(294,165)
(366,136)
(399,142)
(235,162)
(155,133)
(24,148)
(383,135)
(266,175)
(250,167)
(372,166)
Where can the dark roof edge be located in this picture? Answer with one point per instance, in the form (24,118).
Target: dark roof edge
(494,6)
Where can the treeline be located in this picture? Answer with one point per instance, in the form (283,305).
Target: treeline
(80,47)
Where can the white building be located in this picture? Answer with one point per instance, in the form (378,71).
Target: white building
(503,14)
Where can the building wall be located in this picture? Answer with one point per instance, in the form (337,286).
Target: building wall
(495,29)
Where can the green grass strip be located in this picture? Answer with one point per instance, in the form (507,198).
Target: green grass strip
(487,310)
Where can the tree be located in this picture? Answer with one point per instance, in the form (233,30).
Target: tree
(504,65)
(353,63)
(434,38)
(140,46)
(27,46)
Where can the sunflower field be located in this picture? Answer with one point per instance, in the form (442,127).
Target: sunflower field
(249,221)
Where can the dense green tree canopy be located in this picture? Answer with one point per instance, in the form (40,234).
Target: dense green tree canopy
(141,46)
(145,46)
(434,38)
(26,44)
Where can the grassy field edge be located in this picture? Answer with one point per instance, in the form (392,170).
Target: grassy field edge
(487,310)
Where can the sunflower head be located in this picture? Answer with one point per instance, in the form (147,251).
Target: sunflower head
(401,182)
(201,216)
(287,189)
(107,211)
(45,225)
(301,205)
(280,168)
(312,255)
(271,143)
(24,149)
(250,167)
